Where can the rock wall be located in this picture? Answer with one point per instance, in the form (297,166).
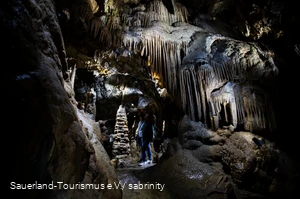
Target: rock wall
(226,164)
(48,142)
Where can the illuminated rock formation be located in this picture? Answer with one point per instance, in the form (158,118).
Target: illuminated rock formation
(121,147)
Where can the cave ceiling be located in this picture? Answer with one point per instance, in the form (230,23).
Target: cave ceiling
(218,60)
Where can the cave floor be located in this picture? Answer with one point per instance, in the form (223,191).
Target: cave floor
(139,182)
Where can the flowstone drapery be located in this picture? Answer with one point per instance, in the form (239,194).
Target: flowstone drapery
(165,46)
(230,81)
(221,81)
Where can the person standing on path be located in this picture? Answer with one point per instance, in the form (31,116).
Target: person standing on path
(147,130)
(139,134)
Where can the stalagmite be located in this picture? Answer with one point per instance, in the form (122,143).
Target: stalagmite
(121,146)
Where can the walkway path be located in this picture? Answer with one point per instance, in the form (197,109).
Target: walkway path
(139,183)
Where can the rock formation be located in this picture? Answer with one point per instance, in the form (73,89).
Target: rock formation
(121,146)
(213,72)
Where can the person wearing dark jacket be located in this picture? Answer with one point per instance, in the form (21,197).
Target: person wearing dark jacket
(147,130)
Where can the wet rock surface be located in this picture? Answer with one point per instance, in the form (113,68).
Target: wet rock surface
(139,183)
(232,165)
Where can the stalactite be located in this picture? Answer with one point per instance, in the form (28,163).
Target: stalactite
(143,51)
(193,96)
(239,104)
(133,42)
(156,11)
(95,27)
(223,71)
(254,109)
(222,83)
(85,13)
(144,18)
(197,94)
(137,22)
(202,94)
(172,84)
(170,66)
(164,49)
(190,94)
(160,58)
(113,23)
(222,97)
(183,87)
(270,116)
(152,49)
(165,54)
(116,38)
(105,37)
(146,47)
(164,61)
